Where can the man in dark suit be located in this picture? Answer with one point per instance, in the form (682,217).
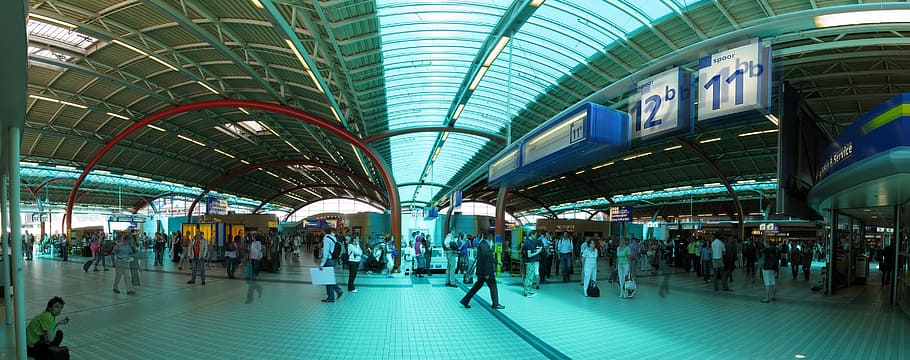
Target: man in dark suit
(485,274)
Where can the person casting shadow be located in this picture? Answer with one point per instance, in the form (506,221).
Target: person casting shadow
(485,274)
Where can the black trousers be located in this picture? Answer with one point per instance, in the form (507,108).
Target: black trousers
(546,263)
(352,273)
(42,351)
(491,283)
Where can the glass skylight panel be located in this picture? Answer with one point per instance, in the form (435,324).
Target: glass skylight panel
(251,126)
(48,54)
(59,34)
(428,47)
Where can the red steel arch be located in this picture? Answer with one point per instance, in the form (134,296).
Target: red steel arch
(324,124)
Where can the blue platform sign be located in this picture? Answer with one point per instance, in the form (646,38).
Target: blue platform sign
(621,213)
(664,107)
(734,81)
(215,206)
(881,130)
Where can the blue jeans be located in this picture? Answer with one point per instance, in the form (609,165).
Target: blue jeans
(198,264)
(331,290)
(565,260)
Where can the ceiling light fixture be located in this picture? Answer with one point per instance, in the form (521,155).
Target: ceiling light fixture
(773,119)
(244,111)
(118,116)
(602,165)
(44,98)
(673,148)
(445,135)
(758,132)
(335,113)
(457,112)
(156,128)
(209,88)
(258,4)
(244,161)
(128,46)
(268,128)
(224,153)
(292,146)
(536,3)
(863,17)
(709,140)
(190,140)
(73,104)
(480,74)
(496,50)
(636,156)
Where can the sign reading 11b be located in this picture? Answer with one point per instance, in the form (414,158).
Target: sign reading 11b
(734,81)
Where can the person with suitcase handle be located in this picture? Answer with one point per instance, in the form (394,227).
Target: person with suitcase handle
(589,272)
(622,269)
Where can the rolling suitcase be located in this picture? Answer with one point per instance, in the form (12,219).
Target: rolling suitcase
(87,265)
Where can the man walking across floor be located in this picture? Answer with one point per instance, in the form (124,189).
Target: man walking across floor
(486,267)
(717,262)
(565,248)
(328,253)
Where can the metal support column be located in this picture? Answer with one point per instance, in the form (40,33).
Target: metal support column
(896,244)
(4,222)
(830,253)
(500,228)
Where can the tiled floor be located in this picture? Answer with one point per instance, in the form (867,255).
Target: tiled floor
(280,317)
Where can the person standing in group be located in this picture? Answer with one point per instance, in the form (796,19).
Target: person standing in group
(418,253)
(622,266)
(231,255)
(795,260)
(805,259)
(718,248)
(450,245)
(769,270)
(391,254)
(428,254)
(565,248)
(546,256)
(328,245)
(184,245)
(160,244)
(354,255)
(122,255)
(176,247)
(197,253)
(589,271)
(706,256)
(255,255)
(38,332)
(530,252)
(486,273)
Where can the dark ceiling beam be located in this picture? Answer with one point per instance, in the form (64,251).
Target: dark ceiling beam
(391,133)
(536,201)
(720,175)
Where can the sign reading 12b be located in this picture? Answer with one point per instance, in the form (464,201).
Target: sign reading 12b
(663,105)
(733,81)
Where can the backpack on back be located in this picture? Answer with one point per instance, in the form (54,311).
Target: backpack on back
(336,248)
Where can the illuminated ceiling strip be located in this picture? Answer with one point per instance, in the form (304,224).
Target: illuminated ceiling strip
(496,50)
(258,4)
(863,17)
(534,3)
(335,113)
(65,167)
(73,104)
(209,88)
(709,140)
(224,153)
(52,20)
(759,132)
(244,111)
(292,146)
(190,140)
(118,116)
(288,181)
(637,156)
(244,161)
(457,113)
(673,148)
(101,172)
(547,182)
(153,57)
(273,174)
(268,128)
(445,135)
(602,165)
(304,64)
(157,128)
(579,172)
(38,97)
(480,74)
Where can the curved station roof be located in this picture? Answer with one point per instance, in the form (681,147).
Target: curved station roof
(435,88)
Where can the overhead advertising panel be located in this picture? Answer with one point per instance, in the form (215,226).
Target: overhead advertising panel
(621,213)
(664,106)
(734,81)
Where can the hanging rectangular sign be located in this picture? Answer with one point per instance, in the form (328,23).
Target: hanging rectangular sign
(734,81)
(621,213)
(664,106)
